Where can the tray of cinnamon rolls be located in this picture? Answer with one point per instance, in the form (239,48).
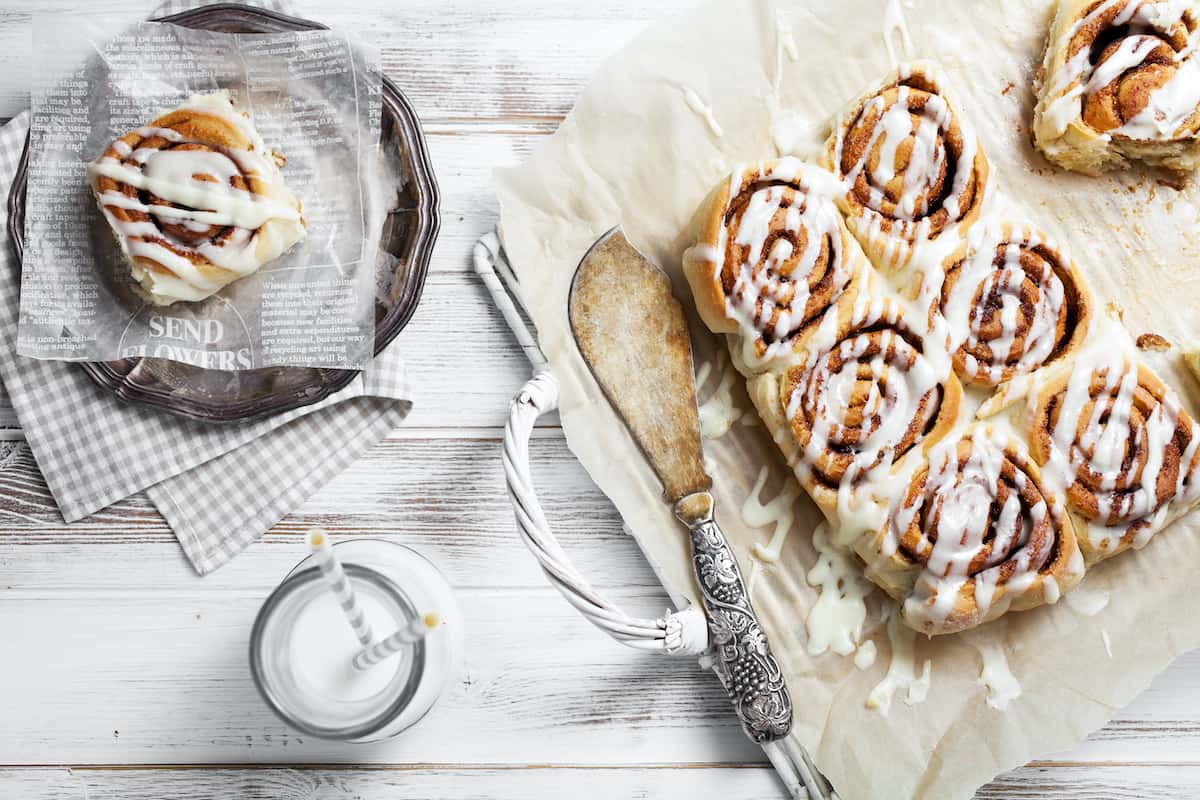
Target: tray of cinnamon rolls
(930,363)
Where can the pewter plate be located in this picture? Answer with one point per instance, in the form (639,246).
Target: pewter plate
(408,236)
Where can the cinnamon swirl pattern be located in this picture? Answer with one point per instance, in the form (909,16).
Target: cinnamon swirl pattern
(195,200)
(864,400)
(1124,447)
(892,366)
(1120,83)
(975,534)
(773,261)
(913,170)
(1010,305)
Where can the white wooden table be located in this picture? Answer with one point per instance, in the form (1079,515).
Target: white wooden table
(123,675)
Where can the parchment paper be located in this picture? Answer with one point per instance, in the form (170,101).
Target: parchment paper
(634,151)
(314,96)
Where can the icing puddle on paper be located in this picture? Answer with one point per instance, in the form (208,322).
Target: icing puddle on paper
(717,413)
(795,135)
(902,672)
(757,514)
(864,656)
(994,674)
(1087,600)
(778,512)
(835,622)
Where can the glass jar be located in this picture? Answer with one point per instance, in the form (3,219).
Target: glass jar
(301,645)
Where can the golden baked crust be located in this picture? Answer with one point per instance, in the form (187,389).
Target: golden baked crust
(195,200)
(1126,445)
(1013,303)
(777,287)
(979,496)
(1120,83)
(959,516)
(914,171)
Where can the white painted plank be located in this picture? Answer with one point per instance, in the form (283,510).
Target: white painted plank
(527,59)
(1092,782)
(755,783)
(147,676)
(163,662)
(402,490)
(444,496)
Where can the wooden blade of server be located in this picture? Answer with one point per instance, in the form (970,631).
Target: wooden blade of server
(633,335)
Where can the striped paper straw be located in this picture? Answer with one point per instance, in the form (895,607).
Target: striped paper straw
(335,576)
(414,631)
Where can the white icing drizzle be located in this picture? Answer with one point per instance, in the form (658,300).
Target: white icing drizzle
(770,294)
(994,674)
(902,672)
(198,183)
(991,554)
(902,387)
(909,224)
(835,622)
(1107,642)
(704,110)
(1168,106)
(896,26)
(1125,496)
(778,512)
(718,412)
(795,135)
(864,656)
(993,269)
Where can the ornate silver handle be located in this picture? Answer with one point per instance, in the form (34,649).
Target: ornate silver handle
(742,655)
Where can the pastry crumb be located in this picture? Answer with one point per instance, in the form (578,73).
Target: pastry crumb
(1115,311)
(1152,341)
(1008,87)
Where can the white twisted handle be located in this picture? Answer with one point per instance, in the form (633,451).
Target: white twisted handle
(679,633)
(676,633)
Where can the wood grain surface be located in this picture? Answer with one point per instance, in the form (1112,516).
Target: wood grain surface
(125,674)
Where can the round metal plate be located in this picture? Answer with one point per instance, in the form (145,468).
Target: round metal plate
(408,236)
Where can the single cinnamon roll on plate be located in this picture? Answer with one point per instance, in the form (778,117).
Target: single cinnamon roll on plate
(195,200)
(1124,447)
(863,399)
(774,260)
(1011,304)
(976,533)
(1120,82)
(913,170)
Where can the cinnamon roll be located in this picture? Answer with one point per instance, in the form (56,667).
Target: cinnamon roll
(1124,447)
(862,400)
(1120,82)
(774,259)
(975,534)
(1012,304)
(195,200)
(914,172)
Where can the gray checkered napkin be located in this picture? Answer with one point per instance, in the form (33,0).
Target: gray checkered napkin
(219,487)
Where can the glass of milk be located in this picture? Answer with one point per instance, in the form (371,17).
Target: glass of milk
(302,646)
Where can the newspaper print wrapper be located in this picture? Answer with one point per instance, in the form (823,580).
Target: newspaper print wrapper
(314,97)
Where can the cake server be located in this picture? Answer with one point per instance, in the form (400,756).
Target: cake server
(632,333)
